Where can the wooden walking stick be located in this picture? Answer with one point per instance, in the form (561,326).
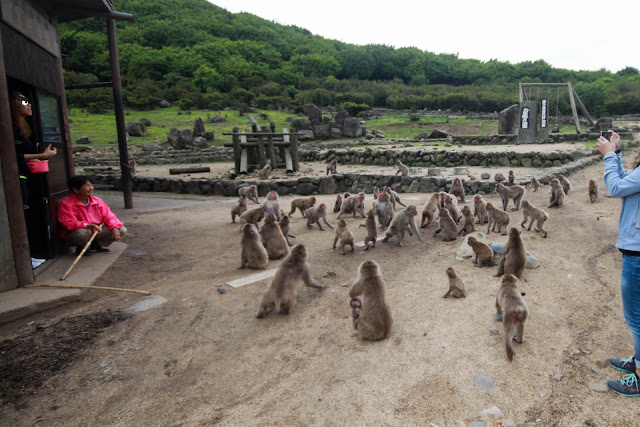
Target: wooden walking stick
(66,273)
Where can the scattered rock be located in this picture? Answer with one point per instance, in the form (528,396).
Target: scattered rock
(136,129)
(591,423)
(222,290)
(483,382)
(485,175)
(466,251)
(198,127)
(494,332)
(499,177)
(492,343)
(595,370)
(558,377)
(83,140)
(494,411)
(600,388)
(437,133)
(164,104)
(145,121)
(498,248)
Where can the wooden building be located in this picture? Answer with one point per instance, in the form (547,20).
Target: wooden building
(30,61)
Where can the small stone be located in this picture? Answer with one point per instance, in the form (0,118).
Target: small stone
(485,175)
(558,377)
(602,363)
(494,411)
(600,388)
(509,423)
(494,332)
(595,369)
(476,424)
(493,357)
(483,382)
(539,420)
(492,343)
(590,423)
(543,395)
(222,290)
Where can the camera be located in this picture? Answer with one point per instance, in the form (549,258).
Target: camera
(606,134)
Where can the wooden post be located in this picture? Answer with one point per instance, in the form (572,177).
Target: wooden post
(582,107)
(236,150)
(573,108)
(294,151)
(243,154)
(262,159)
(254,125)
(272,152)
(521,92)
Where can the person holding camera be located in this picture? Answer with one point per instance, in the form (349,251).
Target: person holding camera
(625,185)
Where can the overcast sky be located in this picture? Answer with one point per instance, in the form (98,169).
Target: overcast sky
(566,34)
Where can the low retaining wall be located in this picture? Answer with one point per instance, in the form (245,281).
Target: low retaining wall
(326,185)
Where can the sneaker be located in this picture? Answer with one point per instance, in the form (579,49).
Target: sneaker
(627,386)
(626,365)
(95,246)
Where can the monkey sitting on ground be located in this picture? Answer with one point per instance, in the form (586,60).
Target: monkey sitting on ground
(515,192)
(254,254)
(447,226)
(556,197)
(467,222)
(372,315)
(372,233)
(457,189)
(514,312)
(314,214)
(451,204)
(480,209)
(484,253)
(535,184)
(285,225)
(593,191)
(402,169)
(536,214)
(376,192)
(271,204)
(302,203)
(497,218)
(512,177)
(283,291)
(332,167)
(456,285)
(352,204)
(514,257)
(429,210)
(250,192)
(566,184)
(394,197)
(338,204)
(273,239)
(238,209)
(344,236)
(403,221)
(382,208)
(264,172)
(253,216)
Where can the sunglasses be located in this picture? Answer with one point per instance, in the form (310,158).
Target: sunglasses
(23,100)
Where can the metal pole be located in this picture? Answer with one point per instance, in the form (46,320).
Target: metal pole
(125,168)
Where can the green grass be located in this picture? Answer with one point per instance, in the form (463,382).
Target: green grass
(101,128)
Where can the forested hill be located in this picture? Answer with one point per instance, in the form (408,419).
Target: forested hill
(200,55)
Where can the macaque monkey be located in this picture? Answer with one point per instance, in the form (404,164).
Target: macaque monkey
(352,204)
(403,221)
(451,204)
(593,191)
(429,210)
(497,218)
(535,184)
(372,233)
(566,184)
(238,209)
(514,257)
(457,189)
(443,195)
(535,214)
(382,208)
(302,203)
(394,197)
(332,167)
(376,192)
(556,197)
(250,192)
(344,236)
(273,239)
(264,172)
(271,204)
(253,216)
(514,311)
(338,204)
(314,214)
(447,226)
(480,209)
(372,315)
(515,192)
(512,178)
(283,291)
(484,253)
(401,168)
(456,285)
(467,222)
(254,254)
(285,226)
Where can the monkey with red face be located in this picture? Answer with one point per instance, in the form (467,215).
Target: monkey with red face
(403,221)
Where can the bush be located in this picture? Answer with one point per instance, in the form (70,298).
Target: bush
(185,104)
(354,109)
(414,117)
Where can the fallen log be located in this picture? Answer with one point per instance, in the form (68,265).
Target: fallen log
(196,169)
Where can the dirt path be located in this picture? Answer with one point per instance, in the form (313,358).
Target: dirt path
(203,358)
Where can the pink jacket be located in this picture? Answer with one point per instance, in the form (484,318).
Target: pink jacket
(73,215)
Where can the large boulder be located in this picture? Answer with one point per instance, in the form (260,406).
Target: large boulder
(351,127)
(437,133)
(165,104)
(200,142)
(336,133)
(83,140)
(136,129)
(322,132)
(218,119)
(340,116)
(421,135)
(300,124)
(180,139)
(508,120)
(198,127)
(146,121)
(328,185)
(313,113)
(305,135)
